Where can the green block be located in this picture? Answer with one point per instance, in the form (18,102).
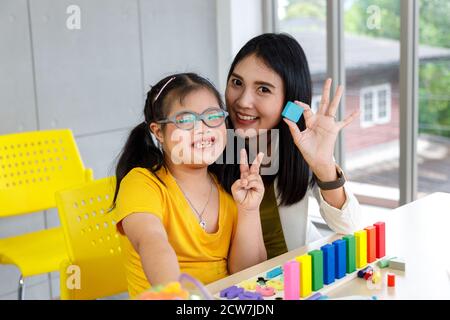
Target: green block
(317,269)
(385,262)
(351,252)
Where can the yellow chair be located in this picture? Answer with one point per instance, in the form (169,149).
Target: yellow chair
(33,166)
(94,268)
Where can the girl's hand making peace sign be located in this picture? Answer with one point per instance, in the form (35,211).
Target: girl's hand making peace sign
(248,191)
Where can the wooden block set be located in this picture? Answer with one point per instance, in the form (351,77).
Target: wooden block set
(334,261)
(310,272)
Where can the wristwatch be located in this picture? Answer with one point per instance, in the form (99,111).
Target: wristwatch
(331,185)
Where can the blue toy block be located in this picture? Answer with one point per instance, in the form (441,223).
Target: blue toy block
(292,111)
(328,263)
(273,273)
(340,252)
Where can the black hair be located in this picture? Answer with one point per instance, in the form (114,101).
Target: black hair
(284,55)
(140,149)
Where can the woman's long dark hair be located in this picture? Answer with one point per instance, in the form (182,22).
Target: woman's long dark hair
(284,55)
(140,149)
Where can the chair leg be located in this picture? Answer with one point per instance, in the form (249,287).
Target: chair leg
(21,288)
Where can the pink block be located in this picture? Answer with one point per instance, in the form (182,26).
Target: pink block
(291,271)
(265,291)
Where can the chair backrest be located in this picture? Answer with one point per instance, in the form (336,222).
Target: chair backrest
(33,166)
(92,241)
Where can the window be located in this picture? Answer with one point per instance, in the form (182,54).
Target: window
(372,56)
(433,143)
(305,20)
(382,104)
(372,66)
(375,105)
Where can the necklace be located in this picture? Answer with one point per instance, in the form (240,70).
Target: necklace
(200,215)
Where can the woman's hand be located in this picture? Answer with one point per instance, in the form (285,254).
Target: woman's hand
(248,191)
(316,142)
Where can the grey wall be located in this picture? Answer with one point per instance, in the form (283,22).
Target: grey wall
(91,80)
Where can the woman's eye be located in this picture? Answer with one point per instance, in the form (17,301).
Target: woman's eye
(264,89)
(236,82)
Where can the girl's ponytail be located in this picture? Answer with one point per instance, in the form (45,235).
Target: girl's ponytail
(140,150)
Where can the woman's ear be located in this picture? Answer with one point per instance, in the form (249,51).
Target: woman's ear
(157,131)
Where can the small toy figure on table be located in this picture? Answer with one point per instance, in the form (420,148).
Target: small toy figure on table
(186,288)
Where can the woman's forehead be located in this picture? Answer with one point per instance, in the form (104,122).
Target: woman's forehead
(255,69)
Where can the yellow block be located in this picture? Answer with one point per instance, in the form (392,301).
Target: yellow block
(276,284)
(376,277)
(249,285)
(305,263)
(361,248)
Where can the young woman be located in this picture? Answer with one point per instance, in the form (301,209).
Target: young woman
(268,71)
(174,213)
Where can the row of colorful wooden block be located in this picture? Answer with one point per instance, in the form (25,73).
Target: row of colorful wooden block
(311,271)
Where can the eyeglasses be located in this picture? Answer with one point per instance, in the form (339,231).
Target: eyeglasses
(186,120)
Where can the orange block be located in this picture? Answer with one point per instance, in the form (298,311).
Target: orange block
(371,243)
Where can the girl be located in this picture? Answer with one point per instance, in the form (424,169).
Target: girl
(268,71)
(175,215)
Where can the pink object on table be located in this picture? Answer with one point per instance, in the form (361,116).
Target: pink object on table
(265,291)
(291,270)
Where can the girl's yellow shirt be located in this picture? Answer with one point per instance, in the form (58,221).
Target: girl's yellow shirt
(200,254)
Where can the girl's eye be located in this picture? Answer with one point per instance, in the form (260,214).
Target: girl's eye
(236,82)
(185,119)
(264,89)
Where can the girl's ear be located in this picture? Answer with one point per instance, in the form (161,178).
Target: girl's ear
(156,130)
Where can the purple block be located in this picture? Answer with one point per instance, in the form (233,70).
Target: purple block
(224,292)
(231,292)
(248,295)
(234,293)
(315,296)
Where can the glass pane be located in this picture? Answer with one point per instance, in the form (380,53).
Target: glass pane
(372,61)
(382,104)
(433,147)
(305,20)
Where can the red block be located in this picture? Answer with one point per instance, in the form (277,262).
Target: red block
(371,243)
(391,279)
(380,239)
(368,275)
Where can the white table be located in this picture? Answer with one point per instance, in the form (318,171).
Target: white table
(419,232)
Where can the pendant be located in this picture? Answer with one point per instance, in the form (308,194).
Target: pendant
(203,224)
